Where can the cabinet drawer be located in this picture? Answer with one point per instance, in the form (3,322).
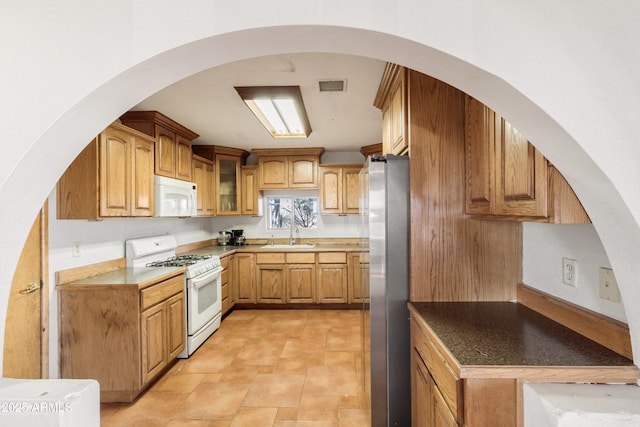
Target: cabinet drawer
(225,290)
(157,293)
(443,374)
(270,258)
(301,258)
(332,257)
(224,262)
(225,277)
(420,343)
(447,381)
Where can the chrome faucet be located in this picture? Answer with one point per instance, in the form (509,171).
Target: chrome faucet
(292,240)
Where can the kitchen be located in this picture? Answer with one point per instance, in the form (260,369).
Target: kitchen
(559,234)
(332,228)
(492,279)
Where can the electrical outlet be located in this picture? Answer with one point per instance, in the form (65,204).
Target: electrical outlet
(76,249)
(608,285)
(569,271)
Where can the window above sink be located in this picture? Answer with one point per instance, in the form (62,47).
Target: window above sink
(281,211)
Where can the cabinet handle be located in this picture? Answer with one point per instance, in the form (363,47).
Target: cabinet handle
(31,287)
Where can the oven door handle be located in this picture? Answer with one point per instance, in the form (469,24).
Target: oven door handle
(204,279)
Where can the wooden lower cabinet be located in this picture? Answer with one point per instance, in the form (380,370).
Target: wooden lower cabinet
(271,283)
(421,392)
(358,271)
(332,277)
(245,281)
(228,299)
(297,278)
(121,336)
(301,283)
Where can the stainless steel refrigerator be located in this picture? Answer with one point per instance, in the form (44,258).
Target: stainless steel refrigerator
(384,211)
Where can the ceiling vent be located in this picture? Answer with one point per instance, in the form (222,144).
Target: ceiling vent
(332,85)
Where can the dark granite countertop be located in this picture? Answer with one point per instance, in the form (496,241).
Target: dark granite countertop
(510,334)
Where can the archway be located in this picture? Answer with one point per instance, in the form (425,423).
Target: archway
(40,167)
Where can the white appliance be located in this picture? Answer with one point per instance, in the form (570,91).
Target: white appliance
(173,197)
(203,283)
(384,211)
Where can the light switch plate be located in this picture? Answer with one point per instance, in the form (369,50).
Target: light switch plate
(608,285)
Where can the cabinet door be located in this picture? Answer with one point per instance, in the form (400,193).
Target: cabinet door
(227,185)
(142,164)
(250,196)
(176,325)
(183,158)
(421,393)
(521,175)
(358,281)
(303,172)
(271,283)
(233,281)
(165,152)
(154,350)
(274,172)
(330,190)
(386,128)
(245,274)
(398,124)
(442,416)
(115,176)
(209,199)
(301,283)
(351,190)
(198,176)
(332,283)
(480,157)
(202,175)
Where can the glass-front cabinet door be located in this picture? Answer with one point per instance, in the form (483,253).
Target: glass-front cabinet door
(228,185)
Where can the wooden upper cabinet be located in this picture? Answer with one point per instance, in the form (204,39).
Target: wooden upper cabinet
(303,171)
(351,189)
(288,168)
(391,99)
(521,175)
(274,172)
(508,178)
(227,183)
(173,142)
(183,158)
(111,177)
(142,166)
(202,175)
(330,190)
(480,157)
(250,204)
(339,189)
(165,152)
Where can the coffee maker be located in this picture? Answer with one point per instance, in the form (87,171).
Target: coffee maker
(237,239)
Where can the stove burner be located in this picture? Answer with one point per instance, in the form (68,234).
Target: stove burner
(171,263)
(179,261)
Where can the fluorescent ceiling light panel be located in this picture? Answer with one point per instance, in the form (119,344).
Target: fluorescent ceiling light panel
(279,108)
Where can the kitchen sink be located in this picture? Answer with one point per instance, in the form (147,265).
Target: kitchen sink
(296,246)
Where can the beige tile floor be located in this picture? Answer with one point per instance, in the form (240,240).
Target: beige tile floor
(276,368)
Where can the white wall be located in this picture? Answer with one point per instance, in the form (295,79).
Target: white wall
(565,74)
(544,246)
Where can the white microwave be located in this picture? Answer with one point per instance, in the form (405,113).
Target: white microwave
(173,197)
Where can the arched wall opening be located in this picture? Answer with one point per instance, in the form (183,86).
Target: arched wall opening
(45,161)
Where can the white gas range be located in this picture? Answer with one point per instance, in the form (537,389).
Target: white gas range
(203,290)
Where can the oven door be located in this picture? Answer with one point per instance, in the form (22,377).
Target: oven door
(204,299)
